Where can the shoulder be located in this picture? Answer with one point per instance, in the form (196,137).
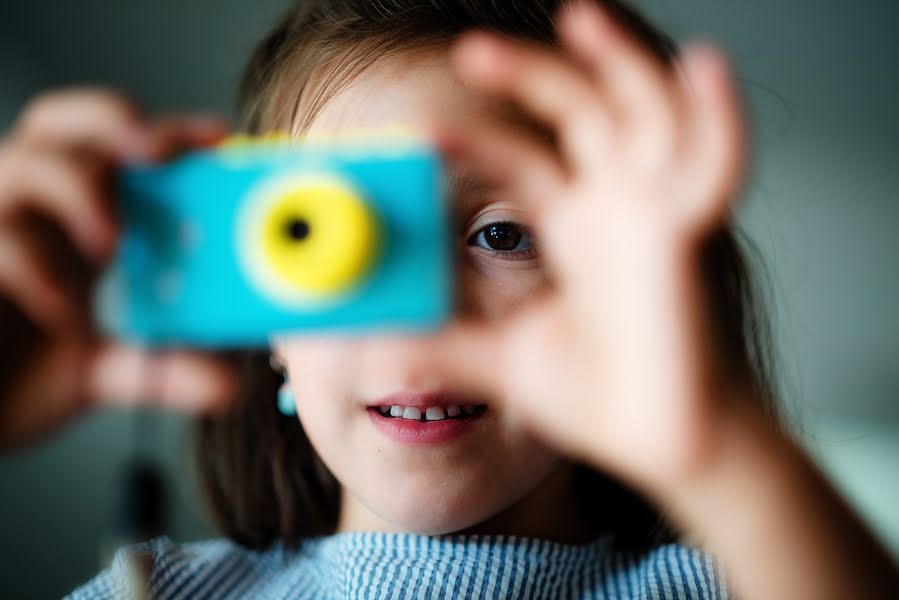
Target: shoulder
(162,568)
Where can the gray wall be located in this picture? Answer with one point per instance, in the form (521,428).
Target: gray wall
(822,88)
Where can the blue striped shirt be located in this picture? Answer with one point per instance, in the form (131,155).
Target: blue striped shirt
(388,566)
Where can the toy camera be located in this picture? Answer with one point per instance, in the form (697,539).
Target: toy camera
(226,247)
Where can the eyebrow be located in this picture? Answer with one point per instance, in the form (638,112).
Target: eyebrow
(462,183)
(466,195)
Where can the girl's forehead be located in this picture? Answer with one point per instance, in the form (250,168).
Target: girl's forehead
(413,87)
(407,87)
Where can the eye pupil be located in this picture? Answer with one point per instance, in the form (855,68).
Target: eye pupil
(297,229)
(502,236)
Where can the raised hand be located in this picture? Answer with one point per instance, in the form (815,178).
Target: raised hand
(57,228)
(617,363)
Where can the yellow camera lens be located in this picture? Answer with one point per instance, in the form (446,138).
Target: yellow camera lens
(313,237)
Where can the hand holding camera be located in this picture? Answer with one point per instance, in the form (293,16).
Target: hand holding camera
(58,229)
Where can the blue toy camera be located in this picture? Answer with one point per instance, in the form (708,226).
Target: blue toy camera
(226,247)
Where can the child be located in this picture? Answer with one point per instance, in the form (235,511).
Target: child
(603,336)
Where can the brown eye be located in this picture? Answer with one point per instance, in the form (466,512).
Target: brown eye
(504,238)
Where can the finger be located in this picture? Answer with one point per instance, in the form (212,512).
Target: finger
(107,123)
(503,157)
(123,375)
(718,135)
(25,280)
(639,86)
(545,84)
(54,185)
(99,120)
(173,135)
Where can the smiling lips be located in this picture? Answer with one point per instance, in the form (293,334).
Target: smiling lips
(431,413)
(424,418)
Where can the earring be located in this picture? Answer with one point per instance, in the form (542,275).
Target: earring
(286,401)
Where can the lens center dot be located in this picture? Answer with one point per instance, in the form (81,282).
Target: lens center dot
(297,229)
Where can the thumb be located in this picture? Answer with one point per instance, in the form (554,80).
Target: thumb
(124,375)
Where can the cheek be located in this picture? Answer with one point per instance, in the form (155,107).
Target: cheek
(318,373)
(490,287)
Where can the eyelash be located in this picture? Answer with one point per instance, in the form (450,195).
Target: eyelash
(524,254)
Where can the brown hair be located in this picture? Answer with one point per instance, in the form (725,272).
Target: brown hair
(261,476)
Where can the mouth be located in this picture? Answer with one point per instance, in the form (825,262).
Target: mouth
(412,419)
(430,413)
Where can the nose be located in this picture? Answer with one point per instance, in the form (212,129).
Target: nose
(396,364)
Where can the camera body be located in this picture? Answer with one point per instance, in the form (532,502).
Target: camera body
(227,247)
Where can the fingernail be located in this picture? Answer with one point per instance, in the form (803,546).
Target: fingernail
(477,51)
(95,239)
(700,59)
(140,147)
(589,22)
(206,125)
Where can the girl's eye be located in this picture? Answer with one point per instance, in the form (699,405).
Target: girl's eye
(504,239)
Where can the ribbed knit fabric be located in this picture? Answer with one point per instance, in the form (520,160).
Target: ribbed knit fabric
(405,566)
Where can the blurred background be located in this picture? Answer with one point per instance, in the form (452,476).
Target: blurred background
(822,88)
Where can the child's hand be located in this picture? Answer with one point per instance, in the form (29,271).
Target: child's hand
(57,228)
(616,364)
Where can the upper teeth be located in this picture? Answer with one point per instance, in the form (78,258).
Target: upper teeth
(432,413)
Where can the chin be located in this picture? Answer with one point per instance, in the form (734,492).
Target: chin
(438,522)
(434,507)
(434,491)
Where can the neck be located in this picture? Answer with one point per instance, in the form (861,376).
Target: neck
(551,511)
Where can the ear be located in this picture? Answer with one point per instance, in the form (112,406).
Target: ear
(276,354)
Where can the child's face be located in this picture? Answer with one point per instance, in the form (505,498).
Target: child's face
(433,487)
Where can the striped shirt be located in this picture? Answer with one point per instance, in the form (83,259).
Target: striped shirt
(401,566)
